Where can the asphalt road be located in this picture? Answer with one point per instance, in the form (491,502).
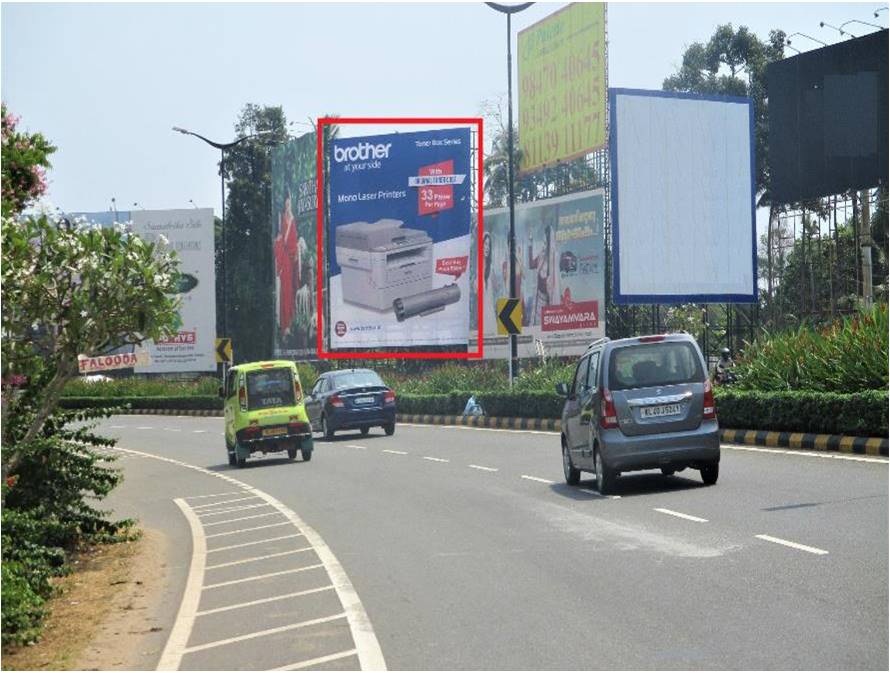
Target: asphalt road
(468,551)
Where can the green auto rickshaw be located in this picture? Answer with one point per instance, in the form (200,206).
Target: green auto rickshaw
(264,411)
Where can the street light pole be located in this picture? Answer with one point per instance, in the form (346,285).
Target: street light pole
(509,10)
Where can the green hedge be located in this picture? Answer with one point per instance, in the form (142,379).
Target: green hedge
(155,402)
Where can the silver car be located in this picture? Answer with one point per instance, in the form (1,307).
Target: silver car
(637,404)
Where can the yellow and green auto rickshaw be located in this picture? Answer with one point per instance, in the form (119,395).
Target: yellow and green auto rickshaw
(264,411)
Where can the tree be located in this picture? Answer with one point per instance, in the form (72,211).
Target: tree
(247,171)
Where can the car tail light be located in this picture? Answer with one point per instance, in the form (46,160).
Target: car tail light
(242,398)
(608,413)
(389,397)
(336,401)
(298,390)
(709,411)
(252,431)
(295,426)
(651,339)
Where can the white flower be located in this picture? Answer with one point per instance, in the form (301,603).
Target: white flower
(83,314)
(163,239)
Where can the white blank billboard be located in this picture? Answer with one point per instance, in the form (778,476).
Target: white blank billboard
(683,227)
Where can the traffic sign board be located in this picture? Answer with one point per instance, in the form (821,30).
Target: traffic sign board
(224,350)
(509,315)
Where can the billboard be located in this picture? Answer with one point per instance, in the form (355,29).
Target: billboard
(562,85)
(559,274)
(189,233)
(683,198)
(399,239)
(293,246)
(828,119)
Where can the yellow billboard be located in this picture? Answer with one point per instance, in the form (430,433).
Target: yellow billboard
(562,86)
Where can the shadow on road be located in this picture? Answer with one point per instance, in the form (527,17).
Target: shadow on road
(640,483)
(255,463)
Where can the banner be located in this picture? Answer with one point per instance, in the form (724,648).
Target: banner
(562,86)
(399,239)
(560,274)
(294,246)
(189,233)
(102,363)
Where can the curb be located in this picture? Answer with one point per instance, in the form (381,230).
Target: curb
(870,446)
(175,412)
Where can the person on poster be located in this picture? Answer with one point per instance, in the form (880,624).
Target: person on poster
(545,264)
(288,256)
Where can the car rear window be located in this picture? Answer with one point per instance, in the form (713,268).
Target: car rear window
(269,388)
(356,380)
(659,364)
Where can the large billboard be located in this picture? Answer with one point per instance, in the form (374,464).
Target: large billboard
(399,239)
(189,233)
(562,85)
(293,246)
(683,198)
(828,119)
(560,275)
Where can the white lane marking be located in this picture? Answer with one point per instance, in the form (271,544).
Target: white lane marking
(223,502)
(437,460)
(198,432)
(250,544)
(260,601)
(309,663)
(370,655)
(117,427)
(680,515)
(144,427)
(209,495)
(243,518)
(398,453)
(254,578)
(257,558)
(174,650)
(240,508)
(794,545)
(245,530)
(469,427)
(172,429)
(597,493)
(355,446)
(266,632)
(539,479)
(808,454)
(484,468)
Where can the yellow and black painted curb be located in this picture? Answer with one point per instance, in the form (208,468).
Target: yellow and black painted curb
(870,446)
(176,412)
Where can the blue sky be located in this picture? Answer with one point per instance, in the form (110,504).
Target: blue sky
(105,82)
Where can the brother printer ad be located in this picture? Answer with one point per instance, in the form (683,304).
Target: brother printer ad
(399,239)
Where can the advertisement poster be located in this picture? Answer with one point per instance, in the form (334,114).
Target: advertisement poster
(189,233)
(399,239)
(293,246)
(562,85)
(560,274)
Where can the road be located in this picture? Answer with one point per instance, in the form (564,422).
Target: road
(466,550)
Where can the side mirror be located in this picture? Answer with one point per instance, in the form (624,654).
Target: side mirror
(562,389)
(222,392)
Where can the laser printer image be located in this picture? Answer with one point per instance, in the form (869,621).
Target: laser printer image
(382,261)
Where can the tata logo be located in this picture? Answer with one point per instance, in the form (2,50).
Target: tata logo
(361,152)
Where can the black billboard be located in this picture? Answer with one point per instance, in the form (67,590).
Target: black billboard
(828,119)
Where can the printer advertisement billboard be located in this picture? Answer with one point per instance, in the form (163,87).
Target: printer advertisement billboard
(189,233)
(559,274)
(399,239)
(293,246)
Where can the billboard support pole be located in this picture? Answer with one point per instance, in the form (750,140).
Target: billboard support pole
(509,10)
(865,249)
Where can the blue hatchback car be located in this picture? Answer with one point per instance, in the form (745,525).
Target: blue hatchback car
(351,399)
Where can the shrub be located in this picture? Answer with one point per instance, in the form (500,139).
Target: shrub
(22,608)
(141,387)
(158,402)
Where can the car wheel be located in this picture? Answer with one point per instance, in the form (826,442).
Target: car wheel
(326,429)
(240,462)
(668,471)
(307,455)
(292,452)
(232,459)
(709,474)
(605,477)
(389,428)
(572,474)
(365,430)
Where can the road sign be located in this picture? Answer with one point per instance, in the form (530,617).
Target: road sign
(509,316)
(224,350)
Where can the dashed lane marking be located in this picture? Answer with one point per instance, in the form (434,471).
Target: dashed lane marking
(310,663)
(254,578)
(199,432)
(260,601)
(117,427)
(467,427)
(484,468)
(436,460)
(393,451)
(793,545)
(172,429)
(680,515)
(265,632)
(539,479)
(254,542)
(144,427)
(355,446)
(258,558)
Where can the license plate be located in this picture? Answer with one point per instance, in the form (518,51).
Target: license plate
(272,432)
(364,400)
(660,410)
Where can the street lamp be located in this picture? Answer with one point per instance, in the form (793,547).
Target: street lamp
(509,10)
(864,23)
(880,9)
(839,29)
(788,39)
(222,147)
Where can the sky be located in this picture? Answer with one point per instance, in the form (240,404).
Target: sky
(106,82)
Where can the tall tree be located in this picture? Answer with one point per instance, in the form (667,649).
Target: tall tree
(249,280)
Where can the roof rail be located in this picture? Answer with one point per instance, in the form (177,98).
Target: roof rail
(597,342)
